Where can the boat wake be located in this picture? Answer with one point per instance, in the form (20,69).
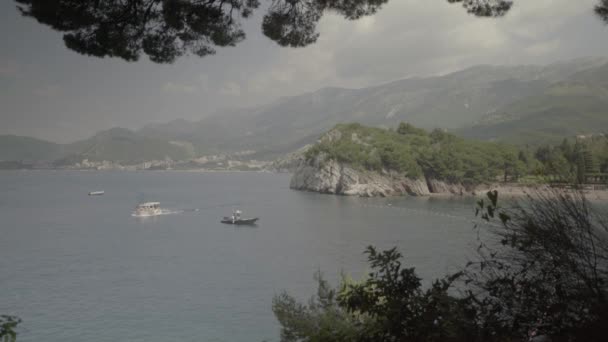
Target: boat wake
(161,213)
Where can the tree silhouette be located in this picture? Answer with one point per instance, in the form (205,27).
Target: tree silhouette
(602,10)
(168,29)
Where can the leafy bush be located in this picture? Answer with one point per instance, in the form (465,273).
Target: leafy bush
(406,128)
(389,306)
(7,328)
(322,320)
(542,272)
(546,272)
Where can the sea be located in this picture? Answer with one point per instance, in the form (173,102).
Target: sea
(75,267)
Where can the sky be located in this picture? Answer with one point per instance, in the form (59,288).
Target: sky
(52,93)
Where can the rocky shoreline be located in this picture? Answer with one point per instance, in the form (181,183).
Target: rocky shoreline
(331,177)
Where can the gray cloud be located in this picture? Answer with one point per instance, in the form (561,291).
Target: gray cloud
(50,92)
(172,87)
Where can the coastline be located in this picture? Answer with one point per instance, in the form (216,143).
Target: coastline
(332,177)
(518,191)
(512,191)
(145,170)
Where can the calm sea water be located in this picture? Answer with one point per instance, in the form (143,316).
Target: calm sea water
(80,268)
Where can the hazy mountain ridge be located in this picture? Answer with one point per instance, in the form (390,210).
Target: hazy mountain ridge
(123,145)
(14,147)
(116,145)
(514,103)
(577,105)
(455,101)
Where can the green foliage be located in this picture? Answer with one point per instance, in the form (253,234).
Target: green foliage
(371,149)
(596,154)
(167,29)
(459,160)
(573,162)
(390,305)
(492,8)
(406,128)
(444,156)
(7,328)
(549,272)
(322,320)
(543,272)
(416,153)
(399,309)
(602,10)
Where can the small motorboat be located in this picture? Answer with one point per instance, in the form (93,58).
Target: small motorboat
(238,220)
(148,209)
(96,193)
(250,221)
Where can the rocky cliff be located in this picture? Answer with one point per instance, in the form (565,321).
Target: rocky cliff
(290,162)
(327,176)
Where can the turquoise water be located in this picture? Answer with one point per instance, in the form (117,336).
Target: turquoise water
(80,268)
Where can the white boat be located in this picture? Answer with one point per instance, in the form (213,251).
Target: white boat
(96,193)
(148,209)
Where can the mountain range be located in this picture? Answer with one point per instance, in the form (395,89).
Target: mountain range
(117,144)
(522,104)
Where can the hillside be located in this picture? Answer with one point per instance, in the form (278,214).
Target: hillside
(455,101)
(575,106)
(18,148)
(516,104)
(125,146)
(365,161)
(354,159)
(415,153)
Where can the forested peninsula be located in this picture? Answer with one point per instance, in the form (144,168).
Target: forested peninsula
(352,159)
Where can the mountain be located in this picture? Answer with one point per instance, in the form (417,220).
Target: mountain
(13,147)
(456,101)
(125,146)
(521,104)
(577,105)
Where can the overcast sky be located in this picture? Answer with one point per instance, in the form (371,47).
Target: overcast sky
(49,92)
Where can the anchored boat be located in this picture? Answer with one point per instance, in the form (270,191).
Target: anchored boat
(238,220)
(96,193)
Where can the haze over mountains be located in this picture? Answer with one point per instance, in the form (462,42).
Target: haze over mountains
(522,104)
